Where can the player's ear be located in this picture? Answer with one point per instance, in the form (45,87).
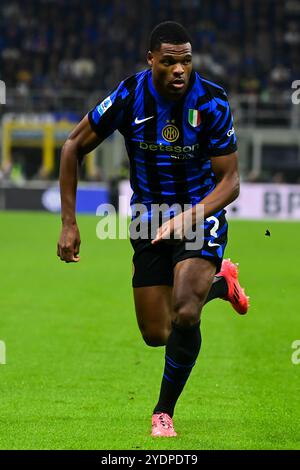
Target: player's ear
(150,58)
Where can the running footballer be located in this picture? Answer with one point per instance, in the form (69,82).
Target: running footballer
(182,148)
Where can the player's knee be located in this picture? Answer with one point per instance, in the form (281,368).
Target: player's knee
(187,313)
(156,338)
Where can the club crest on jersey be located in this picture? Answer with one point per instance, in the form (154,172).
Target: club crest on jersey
(194,117)
(170,133)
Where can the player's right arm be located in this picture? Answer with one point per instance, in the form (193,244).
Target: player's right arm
(81,141)
(96,126)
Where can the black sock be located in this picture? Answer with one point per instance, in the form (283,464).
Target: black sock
(182,349)
(218,289)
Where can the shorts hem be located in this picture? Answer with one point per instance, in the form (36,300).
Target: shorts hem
(152,284)
(216,261)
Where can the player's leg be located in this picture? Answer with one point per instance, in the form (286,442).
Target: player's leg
(218,289)
(153,306)
(183,345)
(226,284)
(152,290)
(153,303)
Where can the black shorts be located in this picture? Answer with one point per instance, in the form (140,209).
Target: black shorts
(153,265)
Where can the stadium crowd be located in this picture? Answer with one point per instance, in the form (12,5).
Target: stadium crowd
(60,55)
(247,46)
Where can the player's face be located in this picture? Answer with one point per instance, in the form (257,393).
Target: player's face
(171,69)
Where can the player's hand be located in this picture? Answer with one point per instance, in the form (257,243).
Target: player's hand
(170,230)
(69,244)
(176,229)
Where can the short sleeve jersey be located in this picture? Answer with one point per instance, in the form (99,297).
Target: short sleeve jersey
(169,143)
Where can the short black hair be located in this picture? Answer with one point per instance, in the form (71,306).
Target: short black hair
(168,32)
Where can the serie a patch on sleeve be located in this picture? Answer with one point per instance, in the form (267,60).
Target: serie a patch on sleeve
(104,105)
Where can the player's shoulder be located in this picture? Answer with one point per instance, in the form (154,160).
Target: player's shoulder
(210,88)
(211,93)
(131,83)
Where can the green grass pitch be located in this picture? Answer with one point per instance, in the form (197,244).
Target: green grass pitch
(78,375)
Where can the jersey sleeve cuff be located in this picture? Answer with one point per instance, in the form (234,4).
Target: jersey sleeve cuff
(92,124)
(220,152)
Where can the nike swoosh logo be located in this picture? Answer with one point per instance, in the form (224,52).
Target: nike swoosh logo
(210,243)
(139,121)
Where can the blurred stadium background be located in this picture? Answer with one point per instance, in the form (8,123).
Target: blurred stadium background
(57,59)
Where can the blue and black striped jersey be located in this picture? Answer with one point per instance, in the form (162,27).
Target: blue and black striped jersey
(169,143)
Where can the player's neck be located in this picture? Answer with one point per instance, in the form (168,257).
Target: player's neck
(165,95)
(161,93)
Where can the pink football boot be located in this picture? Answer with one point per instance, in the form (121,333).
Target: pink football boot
(162,426)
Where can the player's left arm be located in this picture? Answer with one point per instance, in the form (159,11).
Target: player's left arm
(227,187)
(227,190)
(221,148)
